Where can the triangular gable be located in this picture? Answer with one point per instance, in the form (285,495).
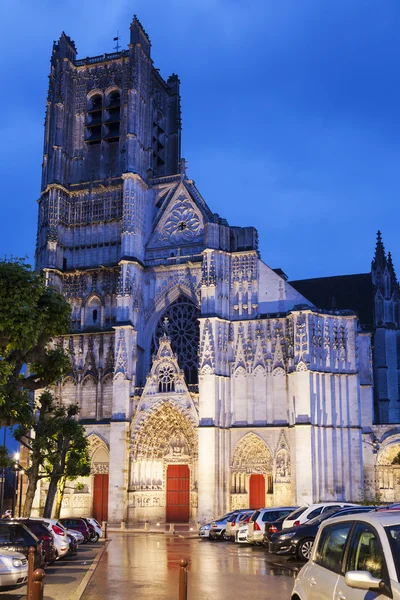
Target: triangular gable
(180,220)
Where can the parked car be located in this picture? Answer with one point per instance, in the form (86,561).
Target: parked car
(218,526)
(78,524)
(204,530)
(39,529)
(13,569)
(306,513)
(77,535)
(94,536)
(16,537)
(236,521)
(299,540)
(271,528)
(59,533)
(354,557)
(73,544)
(258,519)
(96,526)
(241,534)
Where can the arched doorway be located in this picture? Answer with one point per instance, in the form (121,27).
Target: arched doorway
(388,473)
(99,469)
(251,473)
(163,473)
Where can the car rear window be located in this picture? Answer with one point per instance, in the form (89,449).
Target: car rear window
(232,518)
(5,534)
(37,528)
(296,514)
(270,516)
(254,517)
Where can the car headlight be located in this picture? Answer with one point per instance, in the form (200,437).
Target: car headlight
(205,527)
(16,562)
(287,536)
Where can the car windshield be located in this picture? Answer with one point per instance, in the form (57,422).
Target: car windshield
(393,533)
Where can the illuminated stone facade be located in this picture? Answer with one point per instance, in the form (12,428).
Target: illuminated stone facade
(186,348)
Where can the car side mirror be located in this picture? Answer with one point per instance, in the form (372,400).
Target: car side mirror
(362,580)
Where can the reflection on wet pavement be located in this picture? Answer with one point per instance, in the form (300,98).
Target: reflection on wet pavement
(147,566)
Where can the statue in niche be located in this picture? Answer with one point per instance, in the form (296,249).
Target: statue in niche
(282,465)
(178,446)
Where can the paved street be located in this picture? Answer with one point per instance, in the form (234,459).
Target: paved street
(146,566)
(64,576)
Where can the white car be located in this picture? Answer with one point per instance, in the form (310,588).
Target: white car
(204,530)
(59,533)
(241,535)
(13,569)
(354,557)
(306,513)
(96,525)
(260,517)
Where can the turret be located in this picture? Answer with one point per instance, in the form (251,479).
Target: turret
(139,36)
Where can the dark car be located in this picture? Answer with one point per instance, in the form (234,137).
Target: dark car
(273,527)
(78,524)
(94,536)
(73,545)
(299,540)
(17,537)
(39,529)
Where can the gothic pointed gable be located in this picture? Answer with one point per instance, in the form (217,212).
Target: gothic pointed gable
(181,219)
(240,356)
(207,349)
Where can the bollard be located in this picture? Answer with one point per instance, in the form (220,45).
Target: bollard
(31,566)
(146,526)
(183,579)
(172,528)
(104,529)
(38,585)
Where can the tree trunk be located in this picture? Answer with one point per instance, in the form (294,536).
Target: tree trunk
(60,496)
(51,494)
(33,478)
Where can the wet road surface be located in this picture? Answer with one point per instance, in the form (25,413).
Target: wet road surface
(63,577)
(146,567)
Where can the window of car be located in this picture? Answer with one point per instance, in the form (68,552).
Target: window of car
(254,517)
(331,506)
(315,513)
(393,533)
(365,551)
(5,534)
(22,536)
(331,546)
(297,513)
(270,515)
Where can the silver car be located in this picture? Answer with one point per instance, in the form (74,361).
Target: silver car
(13,569)
(354,557)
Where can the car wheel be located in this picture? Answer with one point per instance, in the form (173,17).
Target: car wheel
(304,549)
(95,537)
(225,536)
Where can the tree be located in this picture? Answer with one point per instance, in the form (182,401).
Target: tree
(36,434)
(77,465)
(68,457)
(32,315)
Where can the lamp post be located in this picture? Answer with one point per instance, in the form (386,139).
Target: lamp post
(15,487)
(3,477)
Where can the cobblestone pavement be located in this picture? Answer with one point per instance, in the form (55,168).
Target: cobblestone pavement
(146,566)
(64,576)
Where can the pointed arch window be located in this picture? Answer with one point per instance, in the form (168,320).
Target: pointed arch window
(183,330)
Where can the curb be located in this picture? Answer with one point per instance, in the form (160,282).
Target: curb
(78,593)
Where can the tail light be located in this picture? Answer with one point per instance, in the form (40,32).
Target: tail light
(296,523)
(256,526)
(246,520)
(272,529)
(58,530)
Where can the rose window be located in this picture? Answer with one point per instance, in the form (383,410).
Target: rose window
(183,223)
(180,322)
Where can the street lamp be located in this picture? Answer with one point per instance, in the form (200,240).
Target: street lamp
(16,478)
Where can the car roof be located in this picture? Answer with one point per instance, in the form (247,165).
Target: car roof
(385,519)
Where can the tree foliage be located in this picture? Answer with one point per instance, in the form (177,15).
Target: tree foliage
(31,317)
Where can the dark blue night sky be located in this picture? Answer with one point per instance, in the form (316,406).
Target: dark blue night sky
(290,115)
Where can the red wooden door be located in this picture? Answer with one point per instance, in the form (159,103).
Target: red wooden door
(257,491)
(100,498)
(178,495)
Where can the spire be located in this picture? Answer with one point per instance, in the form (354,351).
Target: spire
(64,48)
(379,261)
(391,270)
(139,36)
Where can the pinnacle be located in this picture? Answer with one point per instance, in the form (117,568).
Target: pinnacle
(379,260)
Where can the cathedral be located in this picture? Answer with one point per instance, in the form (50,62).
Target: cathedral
(206,380)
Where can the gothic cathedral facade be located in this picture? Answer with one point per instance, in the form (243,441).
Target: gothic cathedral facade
(205,381)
